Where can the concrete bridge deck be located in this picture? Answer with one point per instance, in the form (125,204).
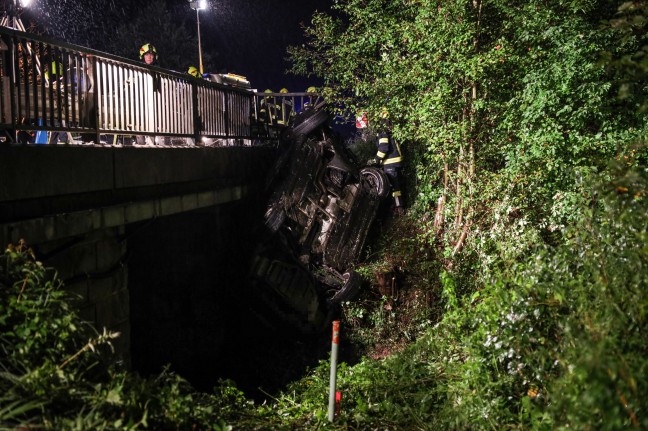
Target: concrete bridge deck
(50,192)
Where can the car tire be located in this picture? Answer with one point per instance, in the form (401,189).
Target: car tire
(349,290)
(377,181)
(311,120)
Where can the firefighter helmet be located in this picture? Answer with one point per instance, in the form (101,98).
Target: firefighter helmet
(283,90)
(193,71)
(268,90)
(146,48)
(311,90)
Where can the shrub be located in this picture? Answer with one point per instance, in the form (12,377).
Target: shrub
(56,371)
(556,341)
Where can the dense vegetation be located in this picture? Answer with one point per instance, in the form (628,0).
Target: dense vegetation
(57,372)
(522,263)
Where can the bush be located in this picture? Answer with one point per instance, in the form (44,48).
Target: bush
(556,341)
(56,371)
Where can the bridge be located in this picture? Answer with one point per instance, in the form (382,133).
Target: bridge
(50,86)
(122,175)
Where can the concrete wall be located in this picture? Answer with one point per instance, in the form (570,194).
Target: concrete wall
(40,180)
(94,268)
(84,209)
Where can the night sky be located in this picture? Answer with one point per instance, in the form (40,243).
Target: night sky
(252,36)
(247,37)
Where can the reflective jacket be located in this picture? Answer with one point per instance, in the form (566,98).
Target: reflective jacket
(268,110)
(389,151)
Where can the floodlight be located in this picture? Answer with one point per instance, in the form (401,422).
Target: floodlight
(198,4)
(11,18)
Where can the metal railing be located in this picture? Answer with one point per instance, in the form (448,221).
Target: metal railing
(50,88)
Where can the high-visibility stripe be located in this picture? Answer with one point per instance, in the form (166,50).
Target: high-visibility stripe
(381,155)
(383,140)
(393,160)
(396,194)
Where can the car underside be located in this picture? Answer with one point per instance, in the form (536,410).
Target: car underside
(320,210)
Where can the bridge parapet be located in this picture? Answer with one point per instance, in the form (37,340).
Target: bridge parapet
(51,86)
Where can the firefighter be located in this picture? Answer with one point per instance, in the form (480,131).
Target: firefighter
(54,79)
(267,108)
(54,73)
(193,71)
(148,54)
(390,156)
(284,109)
(310,98)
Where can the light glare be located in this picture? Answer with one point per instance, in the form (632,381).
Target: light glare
(198,4)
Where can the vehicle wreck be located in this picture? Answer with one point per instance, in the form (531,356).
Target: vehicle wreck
(320,209)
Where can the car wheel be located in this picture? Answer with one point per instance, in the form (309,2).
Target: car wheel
(349,290)
(311,120)
(377,181)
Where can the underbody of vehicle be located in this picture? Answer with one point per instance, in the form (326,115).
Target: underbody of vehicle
(319,213)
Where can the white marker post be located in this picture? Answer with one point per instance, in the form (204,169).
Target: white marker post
(334,355)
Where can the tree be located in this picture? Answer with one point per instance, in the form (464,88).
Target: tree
(502,105)
(632,64)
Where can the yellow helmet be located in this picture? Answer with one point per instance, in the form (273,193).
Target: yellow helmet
(311,90)
(283,90)
(148,47)
(193,71)
(268,91)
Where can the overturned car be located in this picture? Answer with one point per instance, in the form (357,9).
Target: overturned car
(320,209)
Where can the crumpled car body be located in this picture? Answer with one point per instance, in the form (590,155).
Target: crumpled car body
(320,209)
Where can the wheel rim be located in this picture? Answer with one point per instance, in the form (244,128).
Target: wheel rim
(376,180)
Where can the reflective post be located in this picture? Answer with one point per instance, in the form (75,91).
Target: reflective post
(333,381)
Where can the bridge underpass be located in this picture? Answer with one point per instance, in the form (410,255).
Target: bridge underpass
(156,244)
(85,212)
(151,238)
